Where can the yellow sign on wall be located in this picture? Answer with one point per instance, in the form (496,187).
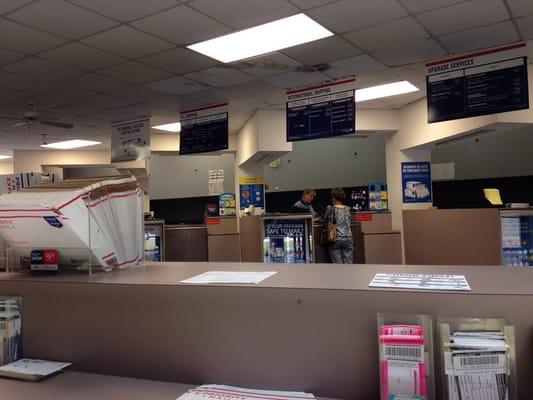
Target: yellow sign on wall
(251,180)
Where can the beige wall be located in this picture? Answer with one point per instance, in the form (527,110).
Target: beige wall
(32,160)
(6,167)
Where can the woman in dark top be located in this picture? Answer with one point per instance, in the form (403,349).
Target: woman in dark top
(341,250)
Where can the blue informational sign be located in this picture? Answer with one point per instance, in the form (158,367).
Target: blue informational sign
(321,111)
(483,83)
(204,130)
(416,182)
(53,221)
(285,240)
(252,194)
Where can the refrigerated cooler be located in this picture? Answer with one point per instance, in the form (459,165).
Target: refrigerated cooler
(517,237)
(154,240)
(287,239)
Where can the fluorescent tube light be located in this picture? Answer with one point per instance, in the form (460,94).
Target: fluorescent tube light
(262,39)
(172,127)
(387,90)
(4,157)
(70,144)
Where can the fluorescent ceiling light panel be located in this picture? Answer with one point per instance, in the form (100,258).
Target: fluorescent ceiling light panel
(172,127)
(70,144)
(387,90)
(4,157)
(262,39)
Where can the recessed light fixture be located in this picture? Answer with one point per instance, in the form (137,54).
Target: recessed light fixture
(262,39)
(4,157)
(387,90)
(70,144)
(171,127)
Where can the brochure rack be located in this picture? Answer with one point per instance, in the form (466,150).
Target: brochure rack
(406,356)
(482,363)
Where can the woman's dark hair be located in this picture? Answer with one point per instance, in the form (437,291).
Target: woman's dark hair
(338,194)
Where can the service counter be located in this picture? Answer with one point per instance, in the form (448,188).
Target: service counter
(309,327)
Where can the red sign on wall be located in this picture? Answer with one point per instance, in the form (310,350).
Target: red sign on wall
(363,216)
(212,221)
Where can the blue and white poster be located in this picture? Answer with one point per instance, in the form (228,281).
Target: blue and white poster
(416,182)
(252,192)
(284,240)
(130,140)
(319,111)
(486,82)
(204,129)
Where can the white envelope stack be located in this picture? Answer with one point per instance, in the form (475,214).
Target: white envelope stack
(96,219)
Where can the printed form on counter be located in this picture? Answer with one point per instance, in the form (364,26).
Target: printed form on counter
(235,277)
(32,370)
(222,392)
(420,281)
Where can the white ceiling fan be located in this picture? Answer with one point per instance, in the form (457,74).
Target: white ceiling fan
(31,117)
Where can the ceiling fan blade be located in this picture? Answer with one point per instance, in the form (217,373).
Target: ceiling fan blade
(57,124)
(17,125)
(12,119)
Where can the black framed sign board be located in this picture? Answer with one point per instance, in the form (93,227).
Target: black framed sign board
(321,111)
(204,129)
(487,82)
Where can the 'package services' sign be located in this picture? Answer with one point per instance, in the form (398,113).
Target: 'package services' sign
(486,82)
(204,129)
(416,182)
(323,110)
(130,141)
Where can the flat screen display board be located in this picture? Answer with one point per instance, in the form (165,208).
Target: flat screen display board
(320,111)
(204,129)
(486,82)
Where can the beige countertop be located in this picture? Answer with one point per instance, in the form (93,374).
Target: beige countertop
(484,280)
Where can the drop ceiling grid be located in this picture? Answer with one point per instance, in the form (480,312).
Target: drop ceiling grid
(353,52)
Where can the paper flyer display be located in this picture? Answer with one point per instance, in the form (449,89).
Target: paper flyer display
(235,277)
(420,281)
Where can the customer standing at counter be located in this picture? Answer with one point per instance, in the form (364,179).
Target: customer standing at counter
(304,204)
(340,250)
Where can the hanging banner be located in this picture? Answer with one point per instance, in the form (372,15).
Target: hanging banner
(416,182)
(486,82)
(320,111)
(252,192)
(130,140)
(204,129)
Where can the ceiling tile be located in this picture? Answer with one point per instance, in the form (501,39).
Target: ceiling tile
(305,4)
(147,95)
(17,37)
(322,51)
(179,61)
(348,15)
(134,72)
(10,5)
(125,10)
(220,76)
(8,56)
(98,83)
(177,85)
(16,82)
(108,102)
(64,90)
(61,18)
(357,65)
(5,92)
(250,12)
(488,36)
(521,8)
(271,64)
(526,27)
(391,34)
(127,42)
(464,16)
(252,88)
(419,51)
(209,96)
(295,79)
(417,6)
(111,116)
(35,67)
(181,25)
(81,56)
(137,110)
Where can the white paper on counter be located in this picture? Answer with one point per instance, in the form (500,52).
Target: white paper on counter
(34,367)
(420,281)
(237,277)
(223,392)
